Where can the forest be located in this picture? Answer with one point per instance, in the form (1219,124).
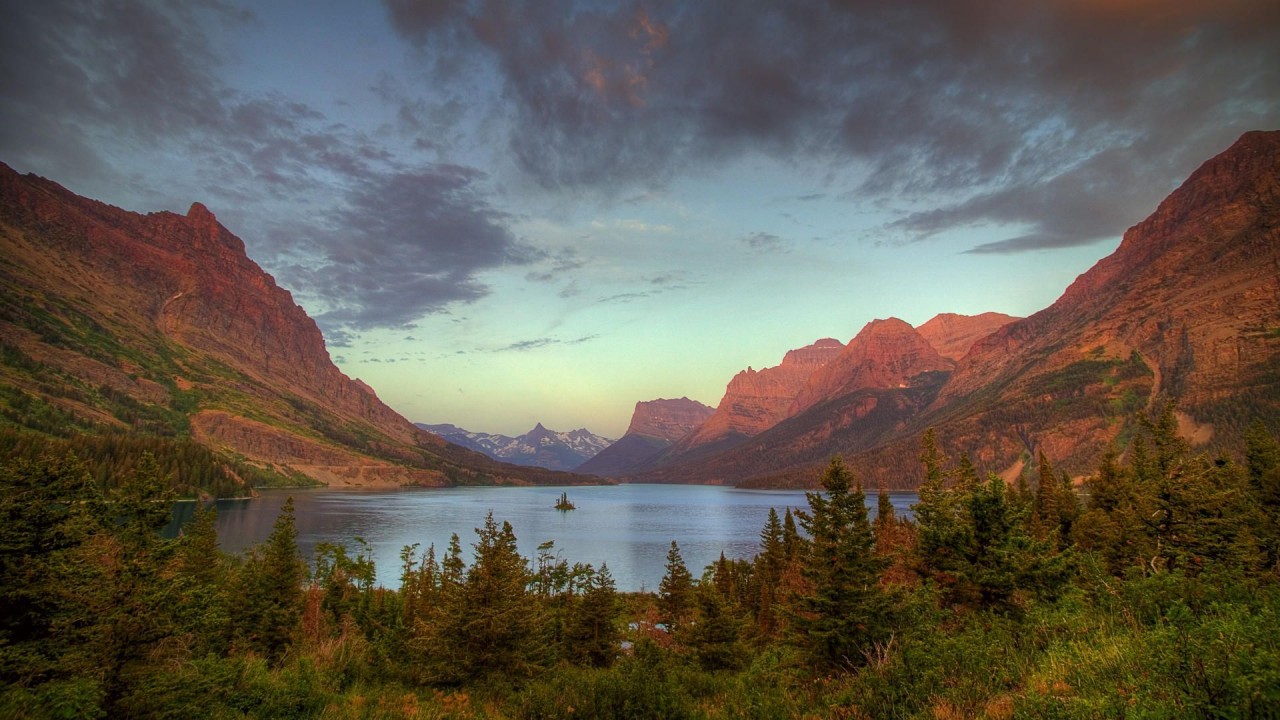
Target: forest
(1150,590)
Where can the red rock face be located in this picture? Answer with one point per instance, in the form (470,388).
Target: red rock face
(952,335)
(885,354)
(1194,289)
(755,400)
(1187,308)
(200,289)
(172,300)
(668,419)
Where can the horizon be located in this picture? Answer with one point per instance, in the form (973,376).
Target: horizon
(549,215)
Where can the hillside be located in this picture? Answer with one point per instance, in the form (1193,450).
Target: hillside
(159,325)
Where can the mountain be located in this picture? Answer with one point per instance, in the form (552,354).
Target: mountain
(655,425)
(884,354)
(952,335)
(160,325)
(885,375)
(756,400)
(1187,309)
(539,447)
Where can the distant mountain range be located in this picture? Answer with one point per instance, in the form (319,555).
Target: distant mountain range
(119,324)
(1187,309)
(539,447)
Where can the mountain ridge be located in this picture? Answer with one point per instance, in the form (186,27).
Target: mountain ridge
(1187,308)
(160,323)
(539,447)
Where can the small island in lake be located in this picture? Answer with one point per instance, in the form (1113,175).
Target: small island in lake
(563,504)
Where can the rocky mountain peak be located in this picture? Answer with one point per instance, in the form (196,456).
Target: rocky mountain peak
(668,419)
(168,311)
(756,400)
(952,335)
(885,353)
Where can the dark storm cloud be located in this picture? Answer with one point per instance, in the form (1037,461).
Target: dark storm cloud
(411,243)
(997,101)
(405,239)
(66,67)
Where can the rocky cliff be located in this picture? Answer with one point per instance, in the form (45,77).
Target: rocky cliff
(668,419)
(884,354)
(655,425)
(1187,308)
(756,400)
(952,335)
(161,323)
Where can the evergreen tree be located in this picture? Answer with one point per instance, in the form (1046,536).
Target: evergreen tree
(200,580)
(675,592)
(125,591)
(716,637)
(1045,520)
(1069,509)
(966,475)
(272,590)
(792,543)
(884,509)
(494,628)
(50,509)
(769,565)
(942,529)
(845,611)
(1002,559)
(592,636)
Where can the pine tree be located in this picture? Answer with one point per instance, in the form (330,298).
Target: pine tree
(591,636)
(769,565)
(675,592)
(792,543)
(942,530)
(716,637)
(494,629)
(1069,509)
(845,611)
(966,476)
(50,509)
(200,578)
(272,591)
(1044,522)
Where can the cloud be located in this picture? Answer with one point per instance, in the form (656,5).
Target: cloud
(371,238)
(564,261)
(409,244)
(534,344)
(763,242)
(927,99)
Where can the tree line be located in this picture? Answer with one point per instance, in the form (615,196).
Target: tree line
(1151,589)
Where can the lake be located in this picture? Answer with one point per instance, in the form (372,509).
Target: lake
(628,526)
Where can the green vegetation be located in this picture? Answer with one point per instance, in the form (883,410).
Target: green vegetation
(1152,593)
(563,504)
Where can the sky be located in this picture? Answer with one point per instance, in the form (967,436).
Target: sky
(505,212)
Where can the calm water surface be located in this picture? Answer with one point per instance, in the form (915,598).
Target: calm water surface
(628,526)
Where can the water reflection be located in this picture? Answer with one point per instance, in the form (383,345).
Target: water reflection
(628,526)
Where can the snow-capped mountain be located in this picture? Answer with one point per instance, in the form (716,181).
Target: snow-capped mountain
(539,447)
